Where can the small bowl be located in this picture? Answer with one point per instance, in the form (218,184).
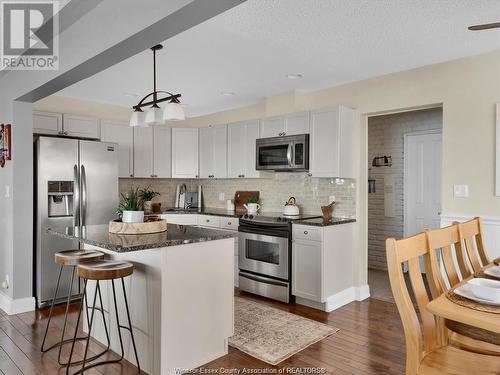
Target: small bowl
(485,288)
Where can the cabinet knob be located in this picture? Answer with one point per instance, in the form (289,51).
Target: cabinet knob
(228,223)
(131,175)
(306,232)
(242,175)
(196,176)
(208,220)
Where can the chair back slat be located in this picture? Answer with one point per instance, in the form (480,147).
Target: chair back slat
(471,234)
(446,242)
(422,299)
(409,250)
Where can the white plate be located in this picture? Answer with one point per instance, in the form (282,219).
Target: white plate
(493,271)
(464,291)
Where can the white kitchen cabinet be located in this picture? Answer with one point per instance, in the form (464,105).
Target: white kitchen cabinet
(306,271)
(143,152)
(292,124)
(81,126)
(180,219)
(121,133)
(213,152)
(185,152)
(322,265)
(241,149)
(152,152)
(47,123)
(332,143)
(162,152)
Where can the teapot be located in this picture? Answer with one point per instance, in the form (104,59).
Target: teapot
(291,208)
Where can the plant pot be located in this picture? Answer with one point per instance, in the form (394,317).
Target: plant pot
(148,207)
(133,216)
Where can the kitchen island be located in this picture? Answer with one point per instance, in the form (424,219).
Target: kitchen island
(180,294)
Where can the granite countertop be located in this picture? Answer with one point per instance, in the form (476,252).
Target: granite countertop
(204,211)
(320,222)
(98,235)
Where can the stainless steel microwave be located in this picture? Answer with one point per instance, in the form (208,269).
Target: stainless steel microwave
(288,153)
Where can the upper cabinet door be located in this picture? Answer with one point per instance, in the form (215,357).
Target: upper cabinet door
(122,134)
(213,152)
(207,167)
(47,123)
(143,152)
(297,123)
(325,143)
(184,152)
(81,126)
(252,133)
(162,152)
(236,162)
(272,127)
(220,151)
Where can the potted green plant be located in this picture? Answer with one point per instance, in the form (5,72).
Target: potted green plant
(146,195)
(129,208)
(252,205)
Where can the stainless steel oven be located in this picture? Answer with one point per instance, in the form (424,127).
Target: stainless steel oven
(289,153)
(262,254)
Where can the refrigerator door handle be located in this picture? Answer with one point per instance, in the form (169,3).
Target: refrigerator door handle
(76,196)
(84,194)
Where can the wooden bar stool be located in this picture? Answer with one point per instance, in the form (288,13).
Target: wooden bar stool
(69,258)
(100,271)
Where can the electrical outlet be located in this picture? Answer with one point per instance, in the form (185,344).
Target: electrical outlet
(331,199)
(461,191)
(5,283)
(221,196)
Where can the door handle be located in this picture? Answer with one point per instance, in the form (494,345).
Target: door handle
(84,195)
(76,197)
(289,155)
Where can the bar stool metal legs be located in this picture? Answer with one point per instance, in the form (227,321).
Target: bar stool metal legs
(62,341)
(85,362)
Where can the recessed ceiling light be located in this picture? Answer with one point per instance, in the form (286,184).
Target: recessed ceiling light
(294,76)
(132,95)
(228,93)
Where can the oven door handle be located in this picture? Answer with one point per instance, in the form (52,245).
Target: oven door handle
(261,279)
(289,155)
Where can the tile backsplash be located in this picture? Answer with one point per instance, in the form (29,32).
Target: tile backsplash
(311,192)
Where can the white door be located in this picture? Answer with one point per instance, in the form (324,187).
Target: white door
(162,152)
(206,152)
(235,150)
(143,152)
(122,134)
(252,132)
(297,123)
(185,153)
(422,182)
(272,127)
(81,126)
(220,151)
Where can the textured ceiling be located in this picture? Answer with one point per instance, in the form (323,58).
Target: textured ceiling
(249,49)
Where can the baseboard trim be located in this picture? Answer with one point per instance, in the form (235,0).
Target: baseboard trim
(16,306)
(339,299)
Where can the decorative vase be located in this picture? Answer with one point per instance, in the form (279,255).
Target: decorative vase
(133,216)
(148,207)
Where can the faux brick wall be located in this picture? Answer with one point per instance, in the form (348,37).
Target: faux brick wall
(386,137)
(311,193)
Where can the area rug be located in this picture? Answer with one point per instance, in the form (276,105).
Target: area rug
(272,335)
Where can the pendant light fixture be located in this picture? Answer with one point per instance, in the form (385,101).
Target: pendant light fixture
(154,115)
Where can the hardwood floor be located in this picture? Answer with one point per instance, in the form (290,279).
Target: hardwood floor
(370,341)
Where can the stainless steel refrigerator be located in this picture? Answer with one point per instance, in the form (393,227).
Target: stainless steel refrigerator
(76,184)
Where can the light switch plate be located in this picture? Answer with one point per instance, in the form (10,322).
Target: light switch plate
(221,196)
(460,191)
(331,199)
(7,191)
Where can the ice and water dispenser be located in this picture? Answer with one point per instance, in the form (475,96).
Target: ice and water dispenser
(60,196)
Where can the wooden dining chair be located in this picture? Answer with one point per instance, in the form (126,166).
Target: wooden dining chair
(427,350)
(471,235)
(448,259)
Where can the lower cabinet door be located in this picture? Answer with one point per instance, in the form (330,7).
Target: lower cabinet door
(306,272)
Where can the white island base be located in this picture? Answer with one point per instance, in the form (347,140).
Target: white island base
(181,305)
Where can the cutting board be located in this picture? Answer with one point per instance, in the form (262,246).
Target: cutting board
(240,198)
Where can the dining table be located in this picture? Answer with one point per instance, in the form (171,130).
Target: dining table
(483,324)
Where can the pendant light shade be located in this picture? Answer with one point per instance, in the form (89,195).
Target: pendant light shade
(138,118)
(154,115)
(173,112)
